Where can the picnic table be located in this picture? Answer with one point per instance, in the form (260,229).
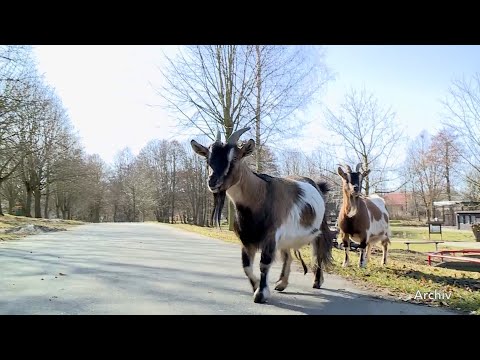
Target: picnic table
(423,242)
(452,256)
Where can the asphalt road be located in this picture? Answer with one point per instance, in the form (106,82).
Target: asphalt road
(154,269)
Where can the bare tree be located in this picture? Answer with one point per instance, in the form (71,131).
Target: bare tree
(292,162)
(446,145)
(208,87)
(86,193)
(269,161)
(462,112)
(426,168)
(227,87)
(125,168)
(472,190)
(287,79)
(369,134)
(154,160)
(16,67)
(193,182)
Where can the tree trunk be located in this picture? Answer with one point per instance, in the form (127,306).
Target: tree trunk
(415,204)
(28,203)
(231,207)
(11,205)
(38,196)
(367,179)
(134,206)
(200,212)
(1,211)
(174,175)
(96,216)
(258,111)
(447,174)
(47,197)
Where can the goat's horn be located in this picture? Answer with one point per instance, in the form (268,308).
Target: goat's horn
(233,139)
(358,167)
(349,169)
(218,136)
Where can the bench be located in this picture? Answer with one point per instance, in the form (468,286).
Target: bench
(452,256)
(423,242)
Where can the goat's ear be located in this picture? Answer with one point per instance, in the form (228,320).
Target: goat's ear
(199,149)
(247,148)
(365,173)
(341,173)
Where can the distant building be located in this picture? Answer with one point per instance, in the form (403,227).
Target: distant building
(465,219)
(459,213)
(396,204)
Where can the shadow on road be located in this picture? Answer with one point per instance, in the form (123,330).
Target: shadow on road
(115,269)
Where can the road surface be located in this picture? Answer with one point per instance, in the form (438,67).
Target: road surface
(155,269)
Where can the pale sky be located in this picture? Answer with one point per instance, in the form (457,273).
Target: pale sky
(106,88)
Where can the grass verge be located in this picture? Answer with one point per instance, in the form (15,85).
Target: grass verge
(10,221)
(406,275)
(421,233)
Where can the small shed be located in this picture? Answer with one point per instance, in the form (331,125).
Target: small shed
(465,218)
(446,211)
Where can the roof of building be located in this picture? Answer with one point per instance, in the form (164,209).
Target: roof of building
(395,198)
(446,203)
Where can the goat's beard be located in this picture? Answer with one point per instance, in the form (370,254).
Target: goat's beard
(218,202)
(353,206)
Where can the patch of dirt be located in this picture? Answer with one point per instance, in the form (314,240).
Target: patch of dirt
(31,229)
(408,256)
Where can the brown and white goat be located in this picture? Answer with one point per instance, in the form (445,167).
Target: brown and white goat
(363,218)
(271,213)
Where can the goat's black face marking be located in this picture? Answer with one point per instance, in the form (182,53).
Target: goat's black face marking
(355,180)
(220,162)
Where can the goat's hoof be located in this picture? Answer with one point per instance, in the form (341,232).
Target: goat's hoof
(345,264)
(280,286)
(254,285)
(317,284)
(260,297)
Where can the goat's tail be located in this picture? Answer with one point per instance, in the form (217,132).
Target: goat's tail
(298,255)
(325,245)
(323,186)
